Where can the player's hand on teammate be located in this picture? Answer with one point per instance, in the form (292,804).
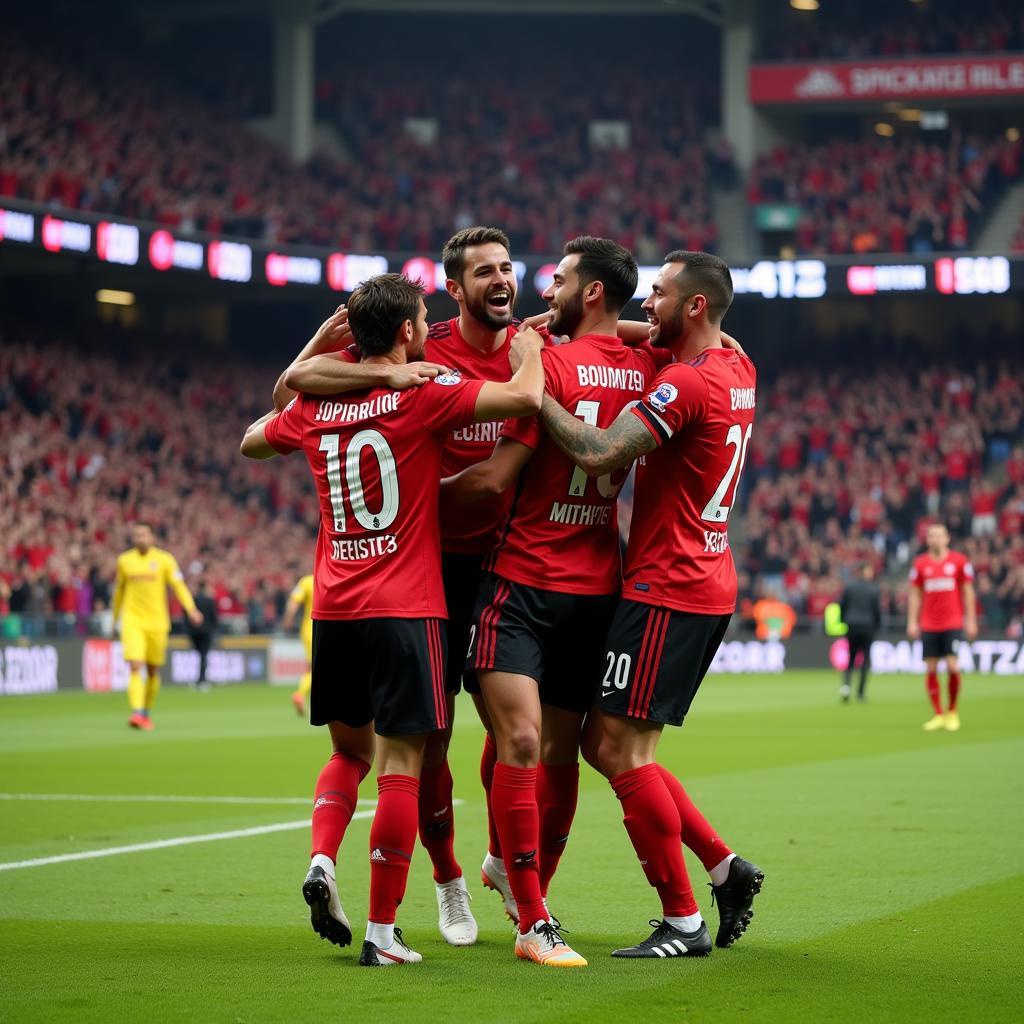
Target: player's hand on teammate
(913,631)
(728,341)
(334,333)
(195,617)
(412,375)
(526,341)
(537,322)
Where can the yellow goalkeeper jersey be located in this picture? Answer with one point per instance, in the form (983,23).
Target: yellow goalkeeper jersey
(140,593)
(303,594)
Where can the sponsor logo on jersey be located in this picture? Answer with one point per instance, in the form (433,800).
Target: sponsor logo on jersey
(448,379)
(665,394)
(949,568)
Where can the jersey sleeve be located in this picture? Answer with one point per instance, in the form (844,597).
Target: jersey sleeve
(176,581)
(966,572)
(676,397)
(446,402)
(284,431)
(298,594)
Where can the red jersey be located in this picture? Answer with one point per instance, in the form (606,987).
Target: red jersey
(701,413)
(470,529)
(562,533)
(940,582)
(376,459)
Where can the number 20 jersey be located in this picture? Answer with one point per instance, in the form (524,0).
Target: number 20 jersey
(701,413)
(376,459)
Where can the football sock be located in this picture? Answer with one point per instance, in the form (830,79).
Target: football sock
(686,924)
(437,820)
(954,689)
(932,684)
(558,787)
(136,691)
(720,872)
(152,689)
(392,839)
(306,683)
(381,935)
(514,799)
(698,835)
(488,759)
(652,821)
(334,802)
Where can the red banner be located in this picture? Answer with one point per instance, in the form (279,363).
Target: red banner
(923,78)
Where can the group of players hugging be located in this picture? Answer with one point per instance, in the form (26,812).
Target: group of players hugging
(467,474)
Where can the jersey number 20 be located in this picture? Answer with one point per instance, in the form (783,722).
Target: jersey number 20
(714,510)
(375,441)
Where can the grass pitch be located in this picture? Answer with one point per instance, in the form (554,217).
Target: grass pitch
(894,873)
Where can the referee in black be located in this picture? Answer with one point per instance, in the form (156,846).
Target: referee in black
(860,608)
(203,634)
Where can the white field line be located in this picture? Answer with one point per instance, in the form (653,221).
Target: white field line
(163,844)
(160,798)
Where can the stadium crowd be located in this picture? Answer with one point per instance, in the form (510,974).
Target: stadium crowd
(888,195)
(846,466)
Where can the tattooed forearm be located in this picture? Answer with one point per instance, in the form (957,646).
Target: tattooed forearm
(592,449)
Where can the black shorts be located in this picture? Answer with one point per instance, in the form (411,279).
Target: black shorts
(462,575)
(551,637)
(655,660)
(942,644)
(386,671)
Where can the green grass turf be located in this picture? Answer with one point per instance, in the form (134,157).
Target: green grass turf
(894,891)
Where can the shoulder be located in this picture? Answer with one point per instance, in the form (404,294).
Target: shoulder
(442,329)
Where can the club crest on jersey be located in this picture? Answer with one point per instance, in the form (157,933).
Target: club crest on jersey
(448,379)
(666,393)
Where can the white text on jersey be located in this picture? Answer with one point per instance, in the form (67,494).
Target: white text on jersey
(346,412)
(716,542)
(363,547)
(622,378)
(489,432)
(742,398)
(580,515)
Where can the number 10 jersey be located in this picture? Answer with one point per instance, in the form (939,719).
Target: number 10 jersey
(701,413)
(376,459)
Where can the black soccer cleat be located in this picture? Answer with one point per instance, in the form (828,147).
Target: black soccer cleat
(325,913)
(666,941)
(734,898)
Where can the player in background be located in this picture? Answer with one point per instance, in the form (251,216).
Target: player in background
(144,573)
(378,646)
(940,605)
(553,582)
(690,433)
(301,599)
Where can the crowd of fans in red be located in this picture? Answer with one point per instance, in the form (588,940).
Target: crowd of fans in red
(845,467)
(888,195)
(851,467)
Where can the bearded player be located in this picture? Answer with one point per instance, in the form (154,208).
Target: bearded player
(378,645)
(144,573)
(941,604)
(690,433)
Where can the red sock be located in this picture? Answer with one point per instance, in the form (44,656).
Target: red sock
(654,827)
(337,791)
(954,689)
(932,683)
(488,759)
(514,800)
(392,838)
(698,835)
(558,787)
(437,820)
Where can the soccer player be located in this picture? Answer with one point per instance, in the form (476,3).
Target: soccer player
(941,604)
(860,608)
(690,434)
(144,573)
(202,634)
(378,645)
(301,598)
(553,582)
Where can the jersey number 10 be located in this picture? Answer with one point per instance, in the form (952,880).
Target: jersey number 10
(387,467)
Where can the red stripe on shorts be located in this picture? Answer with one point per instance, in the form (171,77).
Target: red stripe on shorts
(640,676)
(645,704)
(437,673)
(488,639)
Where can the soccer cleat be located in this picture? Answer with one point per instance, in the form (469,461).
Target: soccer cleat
(734,898)
(495,877)
(844,693)
(140,721)
(299,703)
(396,954)
(952,722)
(934,723)
(325,914)
(545,946)
(456,921)
(667,941)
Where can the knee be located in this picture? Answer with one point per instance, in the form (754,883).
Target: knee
(521,744)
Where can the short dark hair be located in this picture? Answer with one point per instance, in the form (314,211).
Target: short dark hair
(709,275)
(453,255)
(606,261)
(379,307)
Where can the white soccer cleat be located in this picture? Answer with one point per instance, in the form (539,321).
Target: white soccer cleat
(494,876)
(456,921)
(320,892)
(935,723)
(395,955)
(545,946)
